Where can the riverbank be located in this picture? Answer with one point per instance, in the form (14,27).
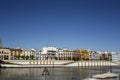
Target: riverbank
(56,63)
(93,63)
(27,66)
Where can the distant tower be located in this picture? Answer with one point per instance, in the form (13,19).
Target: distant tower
(0,43)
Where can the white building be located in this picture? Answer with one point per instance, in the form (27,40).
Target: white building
(28,52)
(94,55)
(52,53)
(37,54)
(60,54)
(49,53)
(68,54)
(115,56)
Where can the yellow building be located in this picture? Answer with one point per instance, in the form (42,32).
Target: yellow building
(15,54)
(84,54)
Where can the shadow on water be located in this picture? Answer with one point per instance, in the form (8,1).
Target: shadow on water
(60,73)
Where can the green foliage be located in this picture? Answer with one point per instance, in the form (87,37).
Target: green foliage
(23,57)
(18,57)
(55,58)
(75,58)
(84,55)
(27,57)
(32,57)
(69,58)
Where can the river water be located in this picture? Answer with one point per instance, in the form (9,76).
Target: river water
(65,73)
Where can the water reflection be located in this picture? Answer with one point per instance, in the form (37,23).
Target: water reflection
(45,73)
(71,73)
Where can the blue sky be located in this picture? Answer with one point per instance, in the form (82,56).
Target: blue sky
(73,24)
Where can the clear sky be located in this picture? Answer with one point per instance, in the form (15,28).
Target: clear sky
(73,24)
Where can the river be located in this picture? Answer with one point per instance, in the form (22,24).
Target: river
(64,73)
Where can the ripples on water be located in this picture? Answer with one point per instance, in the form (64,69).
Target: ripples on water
(68,73)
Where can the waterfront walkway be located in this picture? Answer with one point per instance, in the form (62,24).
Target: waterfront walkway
(55,63)
(93,63)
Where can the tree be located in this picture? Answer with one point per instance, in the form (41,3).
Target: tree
(32,57)
(27,57)
(69,58)
(23,57)
(85,55)
(18,57)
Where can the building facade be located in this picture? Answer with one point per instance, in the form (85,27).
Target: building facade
(28,54)
(115,56)
(68,54)
(38,54)
(49,53)
(60,54)
(5,54)
(15,54)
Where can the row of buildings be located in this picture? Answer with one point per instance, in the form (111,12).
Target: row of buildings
(50,53)
(15,53)
(53,53)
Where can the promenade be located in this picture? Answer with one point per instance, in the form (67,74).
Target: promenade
(55,63)
(93,63)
